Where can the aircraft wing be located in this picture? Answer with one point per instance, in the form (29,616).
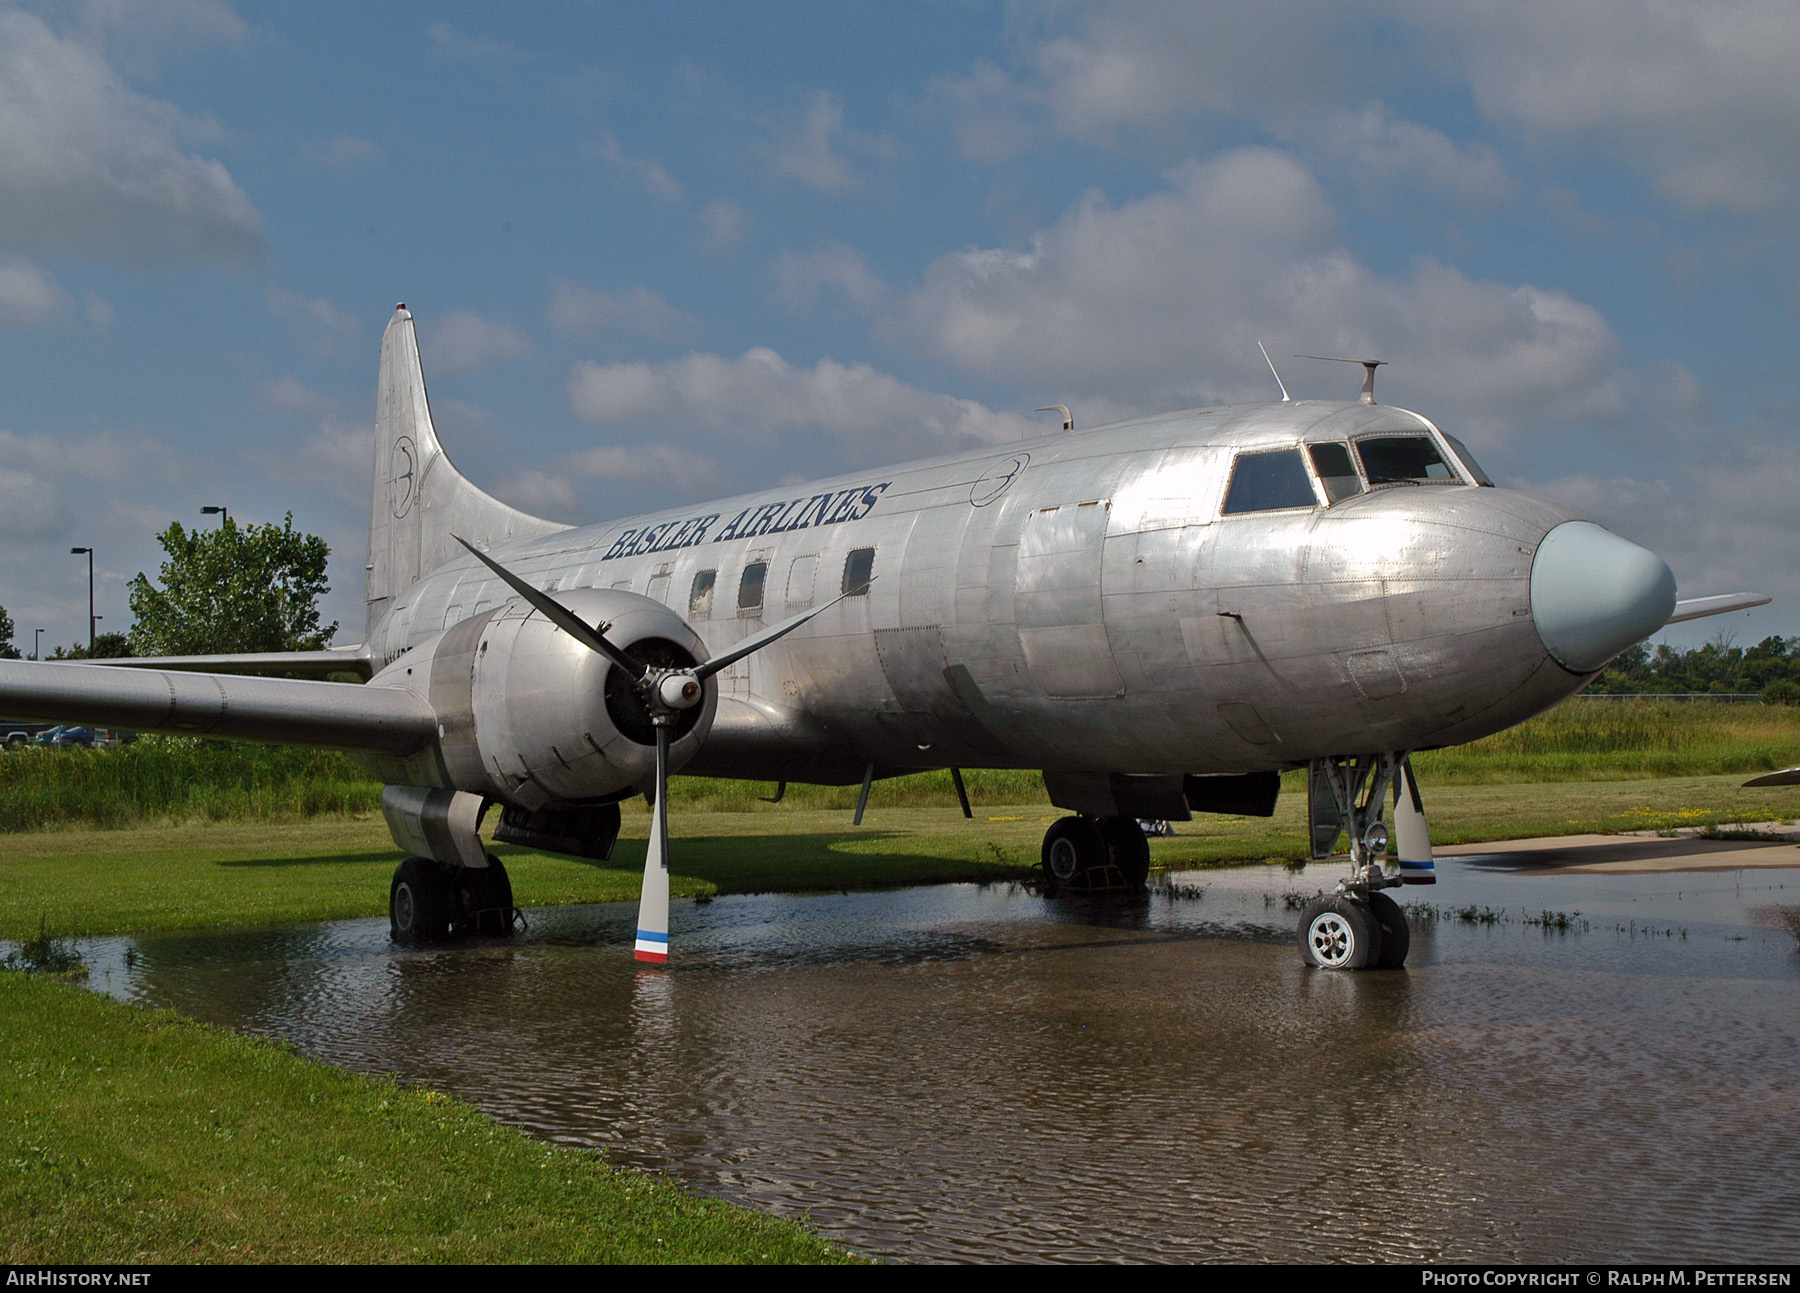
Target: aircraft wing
(1694,608)
(310,663)
(1786,777)
(338,715)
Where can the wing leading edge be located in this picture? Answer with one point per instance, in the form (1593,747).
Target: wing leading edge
(337,715)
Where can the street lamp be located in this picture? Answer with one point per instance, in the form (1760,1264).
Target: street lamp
(223,513)
(37,645)
(76,552)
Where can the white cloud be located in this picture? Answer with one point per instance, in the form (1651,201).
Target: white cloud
(1385,154)
(799,278)
(448,43)
(291,396)
(30,507)
(30,298)
(725,223)
(759,397)
(651,175)
(327,330)
(1702,96)
(1160,302)
(89,167)
(462,342)
(574,308)
(812,151)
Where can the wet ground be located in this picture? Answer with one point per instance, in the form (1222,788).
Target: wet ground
(1597,1066)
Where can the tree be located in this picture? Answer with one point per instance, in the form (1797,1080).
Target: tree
(233,589)
(7,650)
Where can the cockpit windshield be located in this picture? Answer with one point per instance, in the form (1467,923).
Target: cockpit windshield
(1394,459)
(1461,450)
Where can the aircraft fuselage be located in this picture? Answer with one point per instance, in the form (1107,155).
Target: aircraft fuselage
(1081,601)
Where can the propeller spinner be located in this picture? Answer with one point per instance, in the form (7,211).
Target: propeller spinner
(666,694)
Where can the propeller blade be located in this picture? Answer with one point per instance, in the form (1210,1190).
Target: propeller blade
(1412,836)
(557,613)
(751,645)
(653,902)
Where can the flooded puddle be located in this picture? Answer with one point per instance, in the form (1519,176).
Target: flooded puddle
(965,1073)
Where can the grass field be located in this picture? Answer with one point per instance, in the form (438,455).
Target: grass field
(134,1136)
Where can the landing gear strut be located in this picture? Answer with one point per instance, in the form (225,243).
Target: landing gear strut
(1356,927)
(1092,853)
(431,900)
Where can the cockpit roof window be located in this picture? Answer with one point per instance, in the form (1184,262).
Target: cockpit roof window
(1269,482)
(1396,459)
(1461,450)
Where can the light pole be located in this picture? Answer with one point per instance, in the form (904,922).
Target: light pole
(76,552)
(222,512)
(37,645)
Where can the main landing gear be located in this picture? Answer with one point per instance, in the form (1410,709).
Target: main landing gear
(1356,927)
(431,900)
(1094,853)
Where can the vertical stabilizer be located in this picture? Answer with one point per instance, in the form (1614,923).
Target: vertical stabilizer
(418,498)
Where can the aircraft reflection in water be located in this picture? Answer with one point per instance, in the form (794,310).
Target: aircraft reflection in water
(1161,615)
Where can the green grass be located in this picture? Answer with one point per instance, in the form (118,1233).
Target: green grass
(135,1136)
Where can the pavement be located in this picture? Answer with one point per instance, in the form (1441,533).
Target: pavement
(1757,844)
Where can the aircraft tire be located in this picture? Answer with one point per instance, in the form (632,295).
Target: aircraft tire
(1072,846)
(1129,849)
(1339,933)
(488,898)
(419,902)
(1396,934)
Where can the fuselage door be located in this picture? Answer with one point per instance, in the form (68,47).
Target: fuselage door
(1057,602)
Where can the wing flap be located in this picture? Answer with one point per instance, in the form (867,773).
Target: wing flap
(312,663)
(338,715)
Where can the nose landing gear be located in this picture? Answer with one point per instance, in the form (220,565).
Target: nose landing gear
(1357,927)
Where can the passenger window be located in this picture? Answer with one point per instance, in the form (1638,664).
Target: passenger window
(1269,482)
(1468,460)
(700,596)
(750,587)
(859,569)
(1336,471)
(1389,459)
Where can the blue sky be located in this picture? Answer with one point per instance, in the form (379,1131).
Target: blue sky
(660,253)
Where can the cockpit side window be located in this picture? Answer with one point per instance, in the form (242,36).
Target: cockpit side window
(1392,459)
(1336,471)
(1461,450)
(1269,482)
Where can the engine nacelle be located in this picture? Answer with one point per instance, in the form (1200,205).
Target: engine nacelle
(528,715)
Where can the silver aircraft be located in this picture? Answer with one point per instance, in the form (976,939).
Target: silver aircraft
(1162,616)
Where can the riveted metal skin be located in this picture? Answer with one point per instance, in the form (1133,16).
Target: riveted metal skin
(1098,614)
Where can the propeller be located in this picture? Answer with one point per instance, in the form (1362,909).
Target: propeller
(666,693)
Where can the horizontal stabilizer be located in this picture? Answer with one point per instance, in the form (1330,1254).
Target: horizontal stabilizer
(1694,608)
(313,664)
(336,715)
(1786,777)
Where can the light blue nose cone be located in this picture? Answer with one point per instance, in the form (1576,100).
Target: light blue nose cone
(1593,594)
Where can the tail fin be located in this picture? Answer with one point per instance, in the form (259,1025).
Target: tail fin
(418,497)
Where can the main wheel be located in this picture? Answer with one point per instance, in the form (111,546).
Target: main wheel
(1396,935)
(487,899)
(1129,850)
(1340,933)
(419,901)
(1072,846)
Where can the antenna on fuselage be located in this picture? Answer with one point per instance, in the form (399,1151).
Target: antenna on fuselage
(1068,417)
(1271,364)
(1369,367)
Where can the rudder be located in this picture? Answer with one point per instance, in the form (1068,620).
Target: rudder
(417,497)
